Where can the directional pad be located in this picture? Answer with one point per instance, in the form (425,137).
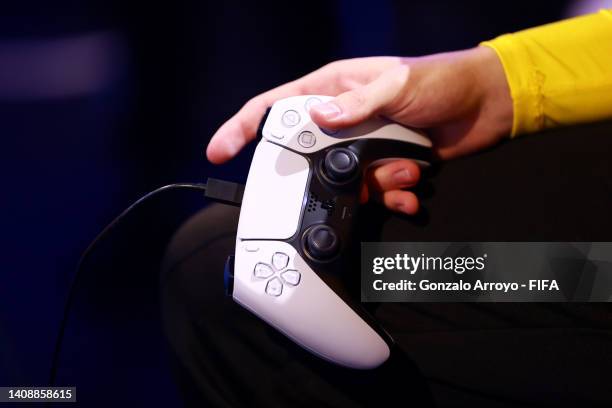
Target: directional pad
(263,271)
(277,274)
(291,277)
(280,260)
(274,287)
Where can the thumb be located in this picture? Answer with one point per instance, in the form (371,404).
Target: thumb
(357,105)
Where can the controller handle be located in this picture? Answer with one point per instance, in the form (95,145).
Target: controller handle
(296,301)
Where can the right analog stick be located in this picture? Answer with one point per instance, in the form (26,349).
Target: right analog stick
(322,242)
(340,164)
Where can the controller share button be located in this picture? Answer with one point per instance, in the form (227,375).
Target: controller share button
(307,139)
(274,287)
(291,277)
(290,118)
(262,271)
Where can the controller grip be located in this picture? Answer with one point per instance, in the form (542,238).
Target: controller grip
(370,151)
(309,312)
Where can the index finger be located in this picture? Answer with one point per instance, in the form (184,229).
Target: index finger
(241,128)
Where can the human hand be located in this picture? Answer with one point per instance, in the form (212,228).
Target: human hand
(460,99)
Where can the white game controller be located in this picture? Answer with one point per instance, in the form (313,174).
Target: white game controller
(296,220)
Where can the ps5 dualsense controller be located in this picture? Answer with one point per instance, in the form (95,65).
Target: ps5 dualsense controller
(296,225)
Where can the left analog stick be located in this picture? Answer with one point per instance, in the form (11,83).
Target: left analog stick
(322,242)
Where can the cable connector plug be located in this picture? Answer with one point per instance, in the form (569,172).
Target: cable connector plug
(225,192)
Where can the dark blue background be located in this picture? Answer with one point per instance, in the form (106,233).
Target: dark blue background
(179,69)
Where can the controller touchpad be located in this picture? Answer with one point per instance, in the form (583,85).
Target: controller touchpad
(274,193)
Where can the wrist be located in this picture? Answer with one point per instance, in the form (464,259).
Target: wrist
(495,97)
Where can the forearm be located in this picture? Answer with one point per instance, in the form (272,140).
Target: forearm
(559,74)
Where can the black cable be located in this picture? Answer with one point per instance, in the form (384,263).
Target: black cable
(85,255)
(217,190)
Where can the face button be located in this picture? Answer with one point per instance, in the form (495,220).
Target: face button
(291,277)
(262,271)
(322,242)
(274,287)
(311,102)
(307,139)
(290,118)
(280,260)
(340,164)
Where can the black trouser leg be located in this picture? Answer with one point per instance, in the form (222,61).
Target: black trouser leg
(225,356)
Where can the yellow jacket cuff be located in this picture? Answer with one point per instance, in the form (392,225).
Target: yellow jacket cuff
(560,73)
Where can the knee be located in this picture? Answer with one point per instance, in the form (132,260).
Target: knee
(214,223)
(192,267)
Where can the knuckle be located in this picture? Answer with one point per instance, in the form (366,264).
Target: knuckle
(333,65)
(334,73)
(399,76)
(357,98)
(399,95)
(330,69)
(252,103)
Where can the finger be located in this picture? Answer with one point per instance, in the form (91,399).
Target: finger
(364,194)
(357,105)
(405,202)
(331,79)
(234,134)
(395,175)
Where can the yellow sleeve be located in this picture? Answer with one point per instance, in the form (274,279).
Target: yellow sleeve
(559,74)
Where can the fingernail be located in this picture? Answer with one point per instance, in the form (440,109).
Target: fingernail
(328,110)
(401,206)
(402,176)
